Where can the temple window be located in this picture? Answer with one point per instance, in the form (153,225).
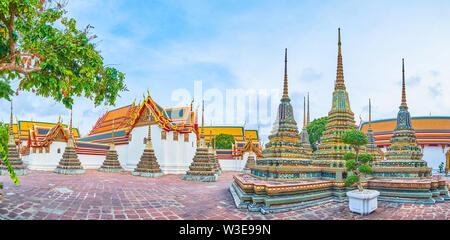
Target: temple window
(47,150)
(186,137)
(40,150)
(163,135)
(175,136)
(59,150)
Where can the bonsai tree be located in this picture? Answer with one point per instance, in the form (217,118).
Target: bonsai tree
(441,167)
(356,164)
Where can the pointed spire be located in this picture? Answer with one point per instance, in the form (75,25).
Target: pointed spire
(285,87)
(340,68)
(403,105)
(308,119)
(304,112)
(70,141)
(370,114)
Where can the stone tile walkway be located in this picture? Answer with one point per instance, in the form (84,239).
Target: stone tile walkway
(100,195)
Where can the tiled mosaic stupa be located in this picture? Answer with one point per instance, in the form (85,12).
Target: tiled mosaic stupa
(340,119)
(148,165)
(371,146)
(216,159)
(111,163)
(404,176)
(70,164)
(13,155)
(304,133)
(202,167)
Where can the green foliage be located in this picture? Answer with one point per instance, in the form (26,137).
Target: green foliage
(4,137)
(365,168)
(350,165)
(354,137)
(224,141)
(352,179)
(51,57)
(349,156)
(441,167)
(315,130)
(365,158)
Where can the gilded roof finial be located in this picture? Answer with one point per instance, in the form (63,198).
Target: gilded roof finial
(285,87)
(404,105)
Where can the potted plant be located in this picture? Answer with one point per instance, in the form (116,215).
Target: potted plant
(362,201)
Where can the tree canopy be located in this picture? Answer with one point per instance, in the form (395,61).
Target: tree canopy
(315,130)
(224,141)
(4,137)
(45,52)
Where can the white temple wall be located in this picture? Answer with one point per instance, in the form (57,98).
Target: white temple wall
(91,161)
(434,155)
(45,161)
(135,147)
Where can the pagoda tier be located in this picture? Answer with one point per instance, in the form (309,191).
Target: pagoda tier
(340,119)
(404,152)
(202,167)
(284,147)
(15,161)
(111,163)
(215,160)
(69,164)
(13,155)
(250,163)
(304,136)
(148,166)
(371,147)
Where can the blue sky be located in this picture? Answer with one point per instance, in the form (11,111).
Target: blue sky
(167,45)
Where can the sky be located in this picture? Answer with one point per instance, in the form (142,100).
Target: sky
(168,47)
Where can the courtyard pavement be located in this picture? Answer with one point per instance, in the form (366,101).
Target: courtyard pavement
(99,195)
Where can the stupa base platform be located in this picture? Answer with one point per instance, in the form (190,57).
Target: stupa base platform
(201,178)
(16,171)
(102,169)
(421,191)
(271,196)
(147,174)
(69,171)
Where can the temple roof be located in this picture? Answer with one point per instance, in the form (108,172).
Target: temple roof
(39,130)
(429,130)
(236,131)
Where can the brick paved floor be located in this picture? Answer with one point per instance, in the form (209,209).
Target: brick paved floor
(99,195)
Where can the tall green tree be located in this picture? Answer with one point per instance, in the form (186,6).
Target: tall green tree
(224,141)
(46,54)
(315,130)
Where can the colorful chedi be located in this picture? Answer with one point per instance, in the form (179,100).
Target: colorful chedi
(340,119)
(69,163)
(371,146)
(284,147)
(304,137)
(148,165)
(13,155)
(111,163)
(404,175)
(202,167)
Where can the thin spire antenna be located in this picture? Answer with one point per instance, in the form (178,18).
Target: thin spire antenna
(285,87)
(404,105)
